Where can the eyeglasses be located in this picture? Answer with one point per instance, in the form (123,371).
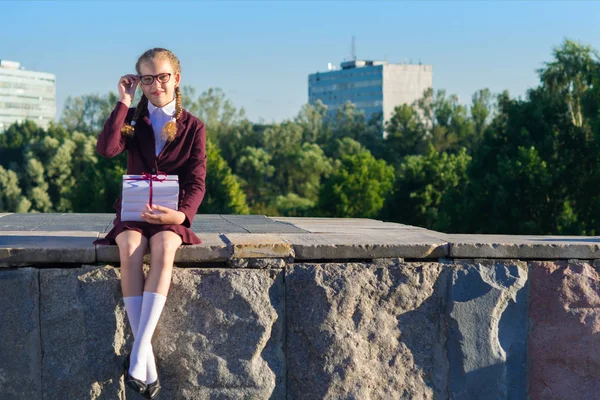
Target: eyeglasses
(149,79)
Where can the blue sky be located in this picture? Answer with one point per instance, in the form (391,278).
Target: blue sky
(260,53)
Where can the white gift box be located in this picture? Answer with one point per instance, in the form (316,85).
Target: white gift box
(136,194)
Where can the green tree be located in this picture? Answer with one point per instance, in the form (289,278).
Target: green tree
(223,193)
(349,122)
(312,167)
(346,146)
(255,168)
(11,198)
(49,173)
(519,175)
(293,205)
(358,188)
(312,121)
(92,175)
(406,134)
(570,74)
(421,184)
(36,187)
(482,109)
(213,108)
(283,142)
(87,113)
(13,141)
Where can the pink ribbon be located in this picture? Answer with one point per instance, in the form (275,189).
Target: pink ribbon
(152,178)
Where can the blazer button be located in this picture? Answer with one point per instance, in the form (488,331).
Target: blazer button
(153,170)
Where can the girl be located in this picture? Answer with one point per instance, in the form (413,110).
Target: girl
(159,136)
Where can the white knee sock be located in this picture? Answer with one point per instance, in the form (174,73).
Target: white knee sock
(152,306)
(133,305)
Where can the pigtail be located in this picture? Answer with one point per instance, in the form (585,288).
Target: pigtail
(170,129)
(128,129)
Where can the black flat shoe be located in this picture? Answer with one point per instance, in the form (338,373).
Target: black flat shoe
(152,390)
(137,385)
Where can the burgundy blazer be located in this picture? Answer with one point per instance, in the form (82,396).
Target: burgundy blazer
(185,156)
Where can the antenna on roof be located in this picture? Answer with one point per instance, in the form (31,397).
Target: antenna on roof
(353,50)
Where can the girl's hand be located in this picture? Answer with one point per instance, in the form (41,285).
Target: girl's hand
(166,216)
(127,85)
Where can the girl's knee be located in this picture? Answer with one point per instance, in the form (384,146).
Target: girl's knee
(131,242)
(165,247)
(165,242)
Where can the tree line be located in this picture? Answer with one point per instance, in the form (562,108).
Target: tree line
(496,165)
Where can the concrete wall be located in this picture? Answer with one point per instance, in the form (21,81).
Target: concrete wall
(404,84)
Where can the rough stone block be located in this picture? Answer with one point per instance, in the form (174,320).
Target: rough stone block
(523,247)
(258,245)
(564,344)
(365,245)
(487,330)
(20,344)
(83,323)
(221,335)
(260,263)
(360,331)
(36,247)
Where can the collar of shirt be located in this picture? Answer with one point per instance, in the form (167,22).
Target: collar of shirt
(167,109)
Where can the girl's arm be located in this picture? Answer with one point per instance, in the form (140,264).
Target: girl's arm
(110,142)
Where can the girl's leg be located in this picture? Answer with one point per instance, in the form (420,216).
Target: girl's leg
(132,247)
(163,246)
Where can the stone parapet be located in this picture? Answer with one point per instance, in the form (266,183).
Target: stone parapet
(304,308)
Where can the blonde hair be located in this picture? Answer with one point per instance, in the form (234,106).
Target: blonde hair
(170,129)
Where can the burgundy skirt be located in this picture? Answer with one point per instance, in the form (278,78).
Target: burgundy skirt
(148,230)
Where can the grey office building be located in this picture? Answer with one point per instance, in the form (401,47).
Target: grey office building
(374,86)
(26,95)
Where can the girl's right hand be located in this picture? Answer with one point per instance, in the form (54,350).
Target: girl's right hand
(127,85)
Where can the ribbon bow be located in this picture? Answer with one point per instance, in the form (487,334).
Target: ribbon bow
(152,178)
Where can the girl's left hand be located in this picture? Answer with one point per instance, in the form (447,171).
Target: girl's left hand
(167,216)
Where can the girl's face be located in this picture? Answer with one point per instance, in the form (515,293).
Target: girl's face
(158,81)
